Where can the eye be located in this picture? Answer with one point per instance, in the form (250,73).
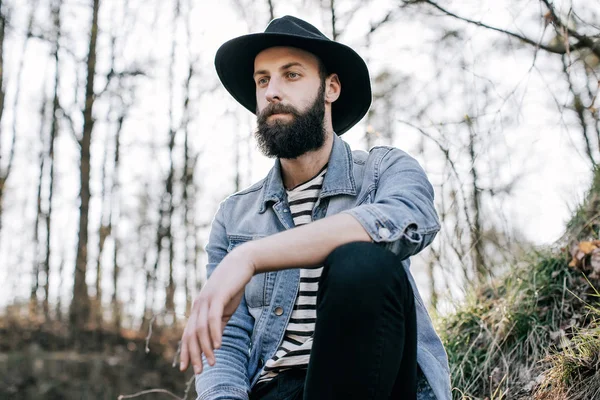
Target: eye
(262,81)
(293,75)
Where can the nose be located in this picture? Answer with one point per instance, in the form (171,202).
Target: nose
(273,93)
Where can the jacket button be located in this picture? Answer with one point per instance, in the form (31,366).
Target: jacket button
(278,311)
(384,233)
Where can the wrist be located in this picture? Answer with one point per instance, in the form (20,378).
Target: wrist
(246,254)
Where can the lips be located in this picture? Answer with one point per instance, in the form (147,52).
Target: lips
(277,112)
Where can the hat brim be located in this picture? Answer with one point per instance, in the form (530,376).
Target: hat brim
(234,63)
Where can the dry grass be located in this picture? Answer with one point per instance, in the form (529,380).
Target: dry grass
(574,373)
(533,333)
(499,341)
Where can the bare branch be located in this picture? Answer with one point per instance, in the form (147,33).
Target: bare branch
(271,10)
(150,333)
(143,392)
(70,124)
(583,40)
(555,50)
(579,110)
(334,32)
(188,387)
(450,162)
(383,21)
(154,316)
(119,75)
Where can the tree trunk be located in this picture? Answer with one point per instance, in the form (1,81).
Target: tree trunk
(53,134)
(33,299)
(168,208)
(3,176)
(59,290)
(113,216)
(188,214)
(480,269)
(236,162)
(150,283)
(334,32)
(188,195)
(189,191)
(116,309)
(148,293)
(80,305)
(103,232)
(271,10)
(432,289)
(2,29)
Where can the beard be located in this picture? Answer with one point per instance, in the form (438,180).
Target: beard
(290,139)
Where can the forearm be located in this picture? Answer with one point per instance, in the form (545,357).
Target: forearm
(305,246)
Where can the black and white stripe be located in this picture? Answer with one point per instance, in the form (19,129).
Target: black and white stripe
(294,350)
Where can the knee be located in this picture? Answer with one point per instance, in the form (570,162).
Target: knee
(363,266)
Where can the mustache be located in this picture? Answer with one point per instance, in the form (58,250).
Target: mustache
(276,108)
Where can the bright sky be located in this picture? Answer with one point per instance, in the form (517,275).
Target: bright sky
(556,175)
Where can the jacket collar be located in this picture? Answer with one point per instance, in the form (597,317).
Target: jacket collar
(339,178)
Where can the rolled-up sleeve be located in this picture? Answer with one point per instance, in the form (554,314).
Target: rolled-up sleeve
(401,209)
(228,378)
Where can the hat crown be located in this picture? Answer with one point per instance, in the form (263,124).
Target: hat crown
(290,25)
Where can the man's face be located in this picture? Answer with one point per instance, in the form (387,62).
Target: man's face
(290,102)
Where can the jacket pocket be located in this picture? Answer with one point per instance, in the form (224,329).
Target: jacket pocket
(255,291)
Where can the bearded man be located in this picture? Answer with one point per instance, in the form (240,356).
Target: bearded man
(309,294)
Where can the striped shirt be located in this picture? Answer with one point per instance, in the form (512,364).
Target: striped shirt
(294,350)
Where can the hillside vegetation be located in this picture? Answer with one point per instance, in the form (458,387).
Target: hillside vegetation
(534,332)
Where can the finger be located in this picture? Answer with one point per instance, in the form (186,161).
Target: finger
(183,353)
(188,336)
(204,334)
(195,355)
(215,324)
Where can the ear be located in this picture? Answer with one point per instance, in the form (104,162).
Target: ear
(333,88)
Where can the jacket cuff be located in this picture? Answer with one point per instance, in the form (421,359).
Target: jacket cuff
(380,228)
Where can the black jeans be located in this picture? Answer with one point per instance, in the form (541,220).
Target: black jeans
(365,340)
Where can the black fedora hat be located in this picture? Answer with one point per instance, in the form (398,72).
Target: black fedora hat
(234,63)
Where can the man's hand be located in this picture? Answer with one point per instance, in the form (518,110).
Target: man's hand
(223,292)
(212,309)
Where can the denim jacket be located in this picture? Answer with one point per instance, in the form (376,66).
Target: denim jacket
(387,191)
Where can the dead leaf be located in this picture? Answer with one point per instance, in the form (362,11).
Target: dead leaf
(577,257)
(548,18)
(582,249)
(573,263)
(587,247)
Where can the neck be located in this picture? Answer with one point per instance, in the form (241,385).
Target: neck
(299,170)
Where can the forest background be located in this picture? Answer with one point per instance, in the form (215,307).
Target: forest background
(117,142)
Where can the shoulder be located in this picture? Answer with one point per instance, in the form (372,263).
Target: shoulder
(381,156)
(244,199)
(256,187)
(388,151)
